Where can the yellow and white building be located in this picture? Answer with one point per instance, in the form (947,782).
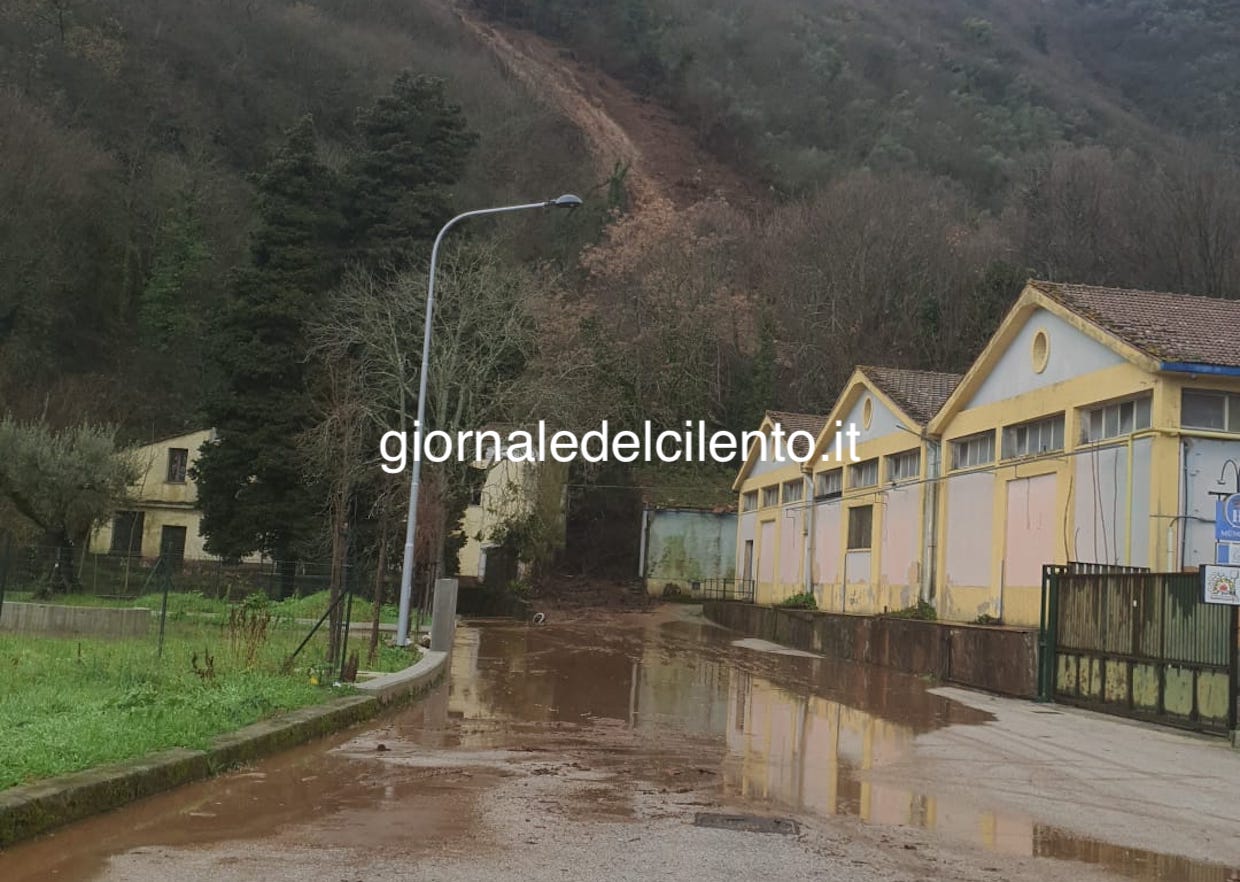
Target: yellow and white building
(1097,425)
(162,518)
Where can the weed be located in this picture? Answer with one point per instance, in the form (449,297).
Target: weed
(804,600)
(921,610)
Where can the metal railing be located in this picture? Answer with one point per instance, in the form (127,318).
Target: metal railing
(726,589)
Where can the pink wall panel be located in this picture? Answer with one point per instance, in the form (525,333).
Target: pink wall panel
(1029,539)
(791,545)
(970,502)
(827,543)
(766,552)
(901,537)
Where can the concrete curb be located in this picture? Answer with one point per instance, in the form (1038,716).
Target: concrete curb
(31,809)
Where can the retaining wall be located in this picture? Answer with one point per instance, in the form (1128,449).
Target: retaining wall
(46,618)
(991,657)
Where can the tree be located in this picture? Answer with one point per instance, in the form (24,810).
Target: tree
(253,488)
(63,483)
(414,144)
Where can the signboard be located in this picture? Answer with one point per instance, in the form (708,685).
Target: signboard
(1227,553)
(1221,584)
(1227,519)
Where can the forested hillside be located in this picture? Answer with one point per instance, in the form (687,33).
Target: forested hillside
(218,212)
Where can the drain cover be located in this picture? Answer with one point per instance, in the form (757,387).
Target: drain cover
(746,823)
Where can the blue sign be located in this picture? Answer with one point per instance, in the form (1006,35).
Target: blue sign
(1227,519)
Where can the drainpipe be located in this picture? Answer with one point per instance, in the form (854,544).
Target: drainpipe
(641,559)
(929,519)
(807,531)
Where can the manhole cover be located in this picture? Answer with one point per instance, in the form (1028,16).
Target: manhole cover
(746,823)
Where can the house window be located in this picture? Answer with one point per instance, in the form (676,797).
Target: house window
(860,527)
(1210,410)
(1032,439)
(904,466)
(749,501)
(178,460)
(794,491)
(127,529)
(863,474)
(770,496)
(975,450)
(1113,420)
(829,485)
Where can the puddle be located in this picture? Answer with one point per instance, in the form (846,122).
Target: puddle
(663,698)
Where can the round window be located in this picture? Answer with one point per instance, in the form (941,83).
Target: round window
(867,412)
(1041,351)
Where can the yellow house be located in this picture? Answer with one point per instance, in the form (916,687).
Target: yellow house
(770,540)
(506,492)
(162,518)
(1095,426)
(874,473)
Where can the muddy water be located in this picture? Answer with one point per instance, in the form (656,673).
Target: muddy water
(664,699)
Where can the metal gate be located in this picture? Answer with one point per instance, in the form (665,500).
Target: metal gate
(1139,644)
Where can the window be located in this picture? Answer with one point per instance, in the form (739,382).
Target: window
(749,501)
(973,451)
(863,474)
(127,533)
(794,491)
(1031,439)
(178,459)
(770,496)
(860,527)
(904,466)
(1210,410)
(1113,420)
(830,485)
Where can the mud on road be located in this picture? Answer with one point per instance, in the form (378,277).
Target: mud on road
(587,748)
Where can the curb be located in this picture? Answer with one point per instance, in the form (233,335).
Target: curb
(31,809)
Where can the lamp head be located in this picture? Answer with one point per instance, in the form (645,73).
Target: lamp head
(568,200)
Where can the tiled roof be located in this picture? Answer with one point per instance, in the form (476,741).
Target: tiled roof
(1168,327)
(794,422)
(919,394)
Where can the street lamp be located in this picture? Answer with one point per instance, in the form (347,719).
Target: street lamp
(411,523)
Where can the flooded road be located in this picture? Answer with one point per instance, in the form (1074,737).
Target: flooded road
(601,739)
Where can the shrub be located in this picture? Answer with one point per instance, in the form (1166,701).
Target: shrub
(803,600)
(920,610)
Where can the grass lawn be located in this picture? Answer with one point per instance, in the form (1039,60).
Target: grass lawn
(309,607)
(68,703)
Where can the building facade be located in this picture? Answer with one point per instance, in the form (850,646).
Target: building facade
(1097,425)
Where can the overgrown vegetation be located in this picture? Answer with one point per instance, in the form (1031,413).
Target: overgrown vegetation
(71,703)
(921,610)
(804,600)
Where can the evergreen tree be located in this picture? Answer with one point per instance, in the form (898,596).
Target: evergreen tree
(251,481)
(414,145)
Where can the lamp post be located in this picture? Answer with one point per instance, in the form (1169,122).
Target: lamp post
(411,523)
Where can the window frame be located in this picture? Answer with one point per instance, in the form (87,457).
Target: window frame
(1231,410)
(860,468)
(965,442)
(182,471)
(820,484)
(749,500)
(1101,412)
(904,456)
(798,486)
(1054,423)
(854,526)
(770,496)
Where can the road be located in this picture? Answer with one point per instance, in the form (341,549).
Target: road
(603,746)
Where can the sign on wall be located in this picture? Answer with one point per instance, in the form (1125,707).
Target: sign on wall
(1221,584)
(1227,519)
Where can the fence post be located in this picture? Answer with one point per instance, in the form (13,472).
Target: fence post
(163,607)
(443,615)
(4,568)
(1233,723)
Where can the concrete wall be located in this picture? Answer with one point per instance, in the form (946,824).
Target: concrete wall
(684,546)
(43,618)
(997,659)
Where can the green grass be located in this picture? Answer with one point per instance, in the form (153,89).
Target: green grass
(179,603)
(68,704)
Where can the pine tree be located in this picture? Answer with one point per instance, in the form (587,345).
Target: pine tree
(251,483)
(414,145)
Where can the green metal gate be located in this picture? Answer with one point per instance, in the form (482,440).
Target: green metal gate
(1139,644)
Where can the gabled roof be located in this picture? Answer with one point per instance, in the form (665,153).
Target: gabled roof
(790,422)
(797,422)
(1183,328)
(919,394)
